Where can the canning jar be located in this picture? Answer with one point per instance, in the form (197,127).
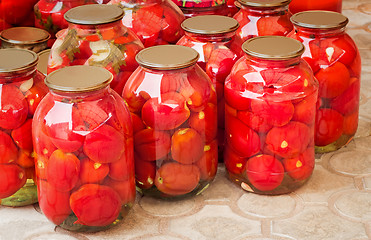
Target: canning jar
(306,5)
(83,140)
(192,8)
(96,36)
(270,100)
(213,37)
(263,17)
(173,109)
(21,90)
(336,64)
(34,39)
(156,22)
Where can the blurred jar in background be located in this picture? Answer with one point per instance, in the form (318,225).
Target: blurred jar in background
(306,5)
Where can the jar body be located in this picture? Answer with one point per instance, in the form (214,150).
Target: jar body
(270,113)
(84,147)
(155,22)
(175,126)
(307,5)
(336,63)
(111,46)
(20,95)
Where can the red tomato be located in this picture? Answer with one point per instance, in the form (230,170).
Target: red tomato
(254,121)
(300,168)
(53,203)
(22,136)
(290,140)
(171,20)
(138,124)
(125,189)
(123,169)
(329,126)
(187,146)
(145,173)
(274,25)
(276,113)
(234,88)
(43,145)
(8,150)
(12,178)
(151,145)
(176,179)
(205,122)
(208,163)
(166,112)
(241,138)
(92,172)
(104,145)
(95,205)
(41,166)
(25,159)
(348,102)
(305,110)
(264,172)
(347,49)
(234,163)
(63,170)
(14,107)
(90,115)
(220,64)
(15,12)
(33,96)
(350,124)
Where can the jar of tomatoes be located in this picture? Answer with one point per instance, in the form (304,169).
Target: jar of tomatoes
(192,8)
(263,17)
(21,90)
(97,37)
(305,5)
(34,39)
(156,22)
(173,109)
(270,106)
(336,63)
(83,139)
(213,37)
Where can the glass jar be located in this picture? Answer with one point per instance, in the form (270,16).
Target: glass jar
(336,64)
(97,37)
(233,9)
(156,22)
(192,8)
(83,140)
(305,5)
(17,13)
(21,90)
(270,100)
(213,37)
(263,17)
(173,108)
(34,39)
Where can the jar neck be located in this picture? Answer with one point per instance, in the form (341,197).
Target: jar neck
(72,97)
(280,10)
(268,63)
(85,30)
(318,33)
(225,37)
(18,76)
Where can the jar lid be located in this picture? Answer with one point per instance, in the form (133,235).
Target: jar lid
(16,59)
(210,24)
(319,19)
(264,3)
(167,57)
(94,14)
(273,47)
(24,35)
(77,79)
(42,65)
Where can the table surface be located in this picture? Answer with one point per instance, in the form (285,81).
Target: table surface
(334,204)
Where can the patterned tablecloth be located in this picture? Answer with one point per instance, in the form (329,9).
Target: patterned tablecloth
(334,204)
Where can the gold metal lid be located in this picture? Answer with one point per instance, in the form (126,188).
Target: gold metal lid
(273,47)
(210,24)
(42,65)
(319,20)
(16,59)
(24,35)
(77,79)
(264,3)
(94,14)
(167,57)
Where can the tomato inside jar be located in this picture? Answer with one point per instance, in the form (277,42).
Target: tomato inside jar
(173,103)
(192,8)
(335,61)
(270,102)
(83,139)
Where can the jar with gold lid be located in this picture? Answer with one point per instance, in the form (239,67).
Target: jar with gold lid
(270,107)
(96,36)
(336,64)
(83,139)
(21,90)
(173,109)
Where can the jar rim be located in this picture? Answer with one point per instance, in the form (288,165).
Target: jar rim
(319,20)
(210,24)
(94,14)
(264,3)
(24,35)
(16,60)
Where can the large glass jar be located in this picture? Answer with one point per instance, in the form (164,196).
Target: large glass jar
(34,39)
(213,37)
(192,8)
(336,64)
(97,37)
(173,108)
(263,17)
(305,5)
(270,100)
(21,90)
(83,139)
(156,22)
(16,13)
